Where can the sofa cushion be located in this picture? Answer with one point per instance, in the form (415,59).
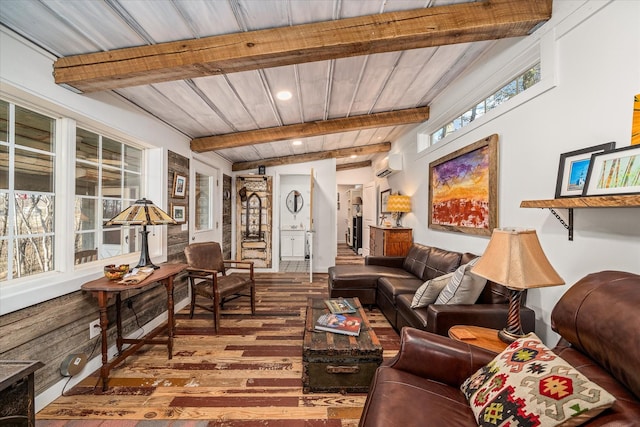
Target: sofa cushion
(528,384)
(362,276)
(416,260)
(429,291)
(594,315)
(394,286)
(407,316)
(399,398)
(464,287)
(441,262)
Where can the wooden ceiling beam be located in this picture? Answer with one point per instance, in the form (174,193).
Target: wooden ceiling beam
(362,150)
(275,47)
(310,129)
(356,165)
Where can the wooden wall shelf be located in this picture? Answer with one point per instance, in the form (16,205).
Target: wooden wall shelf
(571,203)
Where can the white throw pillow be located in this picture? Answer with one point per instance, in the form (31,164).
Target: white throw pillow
(464,286)
(429,291)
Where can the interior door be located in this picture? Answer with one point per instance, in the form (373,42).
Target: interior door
(205,206)
(369,212)
(311,229)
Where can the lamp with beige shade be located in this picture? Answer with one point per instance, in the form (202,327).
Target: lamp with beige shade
(515,259)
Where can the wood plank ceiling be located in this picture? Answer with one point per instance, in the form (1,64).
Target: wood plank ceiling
(359,71)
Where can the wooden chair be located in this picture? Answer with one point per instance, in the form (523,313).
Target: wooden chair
(208,278)
(87,255)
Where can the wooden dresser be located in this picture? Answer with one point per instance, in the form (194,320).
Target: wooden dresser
(385,241)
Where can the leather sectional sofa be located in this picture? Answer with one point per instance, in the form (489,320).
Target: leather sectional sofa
(599,326)
(391,282)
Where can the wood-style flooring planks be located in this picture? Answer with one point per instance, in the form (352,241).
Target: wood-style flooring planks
(247,375)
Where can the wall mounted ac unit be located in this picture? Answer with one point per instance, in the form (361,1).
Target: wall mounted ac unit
(391,165)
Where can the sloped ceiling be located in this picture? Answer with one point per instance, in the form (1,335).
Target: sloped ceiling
(359,71)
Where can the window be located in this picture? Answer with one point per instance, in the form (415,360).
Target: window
(518,85)
(27,197)
(107,180)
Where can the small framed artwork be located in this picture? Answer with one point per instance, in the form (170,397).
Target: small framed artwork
(573,169)
(614,172)
(179,212)
(179,185)
(384,198)
(463,195)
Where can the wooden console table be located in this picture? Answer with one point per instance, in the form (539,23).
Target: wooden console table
(103,289)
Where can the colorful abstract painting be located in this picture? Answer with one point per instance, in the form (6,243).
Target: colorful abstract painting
(463,189)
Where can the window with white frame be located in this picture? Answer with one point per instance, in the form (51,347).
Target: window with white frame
(107,180)
(518,85)
(27,195)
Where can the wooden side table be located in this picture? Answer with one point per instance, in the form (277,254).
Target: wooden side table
(103,289)
(480,337)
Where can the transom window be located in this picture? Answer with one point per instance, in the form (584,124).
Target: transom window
(518,85)
(27,197)
(107,180)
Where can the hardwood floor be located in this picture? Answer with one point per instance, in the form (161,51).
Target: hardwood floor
(346,255)
(247,375)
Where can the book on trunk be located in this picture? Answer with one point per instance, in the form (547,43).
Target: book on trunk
(338,324)
(339,306)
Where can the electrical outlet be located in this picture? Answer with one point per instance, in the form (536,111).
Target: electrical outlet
(94,328)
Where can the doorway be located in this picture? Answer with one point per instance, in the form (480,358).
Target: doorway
(204,218)
(295,218)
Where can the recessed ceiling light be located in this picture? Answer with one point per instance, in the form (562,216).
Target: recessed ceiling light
(353,156)
(297,142)
(283,95)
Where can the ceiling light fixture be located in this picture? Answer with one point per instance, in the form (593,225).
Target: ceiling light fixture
(353,156)
(284,95)
(297,142)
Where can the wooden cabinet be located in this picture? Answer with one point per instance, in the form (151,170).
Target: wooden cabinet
(389,241)
(17,392)
(292,244)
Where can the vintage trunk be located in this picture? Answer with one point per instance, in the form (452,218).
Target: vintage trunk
(338,363)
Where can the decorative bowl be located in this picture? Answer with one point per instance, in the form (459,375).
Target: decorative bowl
(115,272)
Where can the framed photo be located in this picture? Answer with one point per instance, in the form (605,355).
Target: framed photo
(573,169)
(179,212)
(614,172)
(463,189)
(384,198)
(179,185)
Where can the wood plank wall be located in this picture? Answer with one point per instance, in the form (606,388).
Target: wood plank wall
(52,330)
(177,239)
(226,216)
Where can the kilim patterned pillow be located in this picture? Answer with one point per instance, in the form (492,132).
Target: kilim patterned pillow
(529,385)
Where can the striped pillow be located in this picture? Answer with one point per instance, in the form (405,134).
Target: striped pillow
(464,287)
(429,291)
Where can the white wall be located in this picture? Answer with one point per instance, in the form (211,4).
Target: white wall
(597,58)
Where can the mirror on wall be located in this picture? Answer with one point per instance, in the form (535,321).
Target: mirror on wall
(294,201)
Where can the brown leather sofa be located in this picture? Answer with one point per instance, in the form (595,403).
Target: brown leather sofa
(391,282)
(599,324)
